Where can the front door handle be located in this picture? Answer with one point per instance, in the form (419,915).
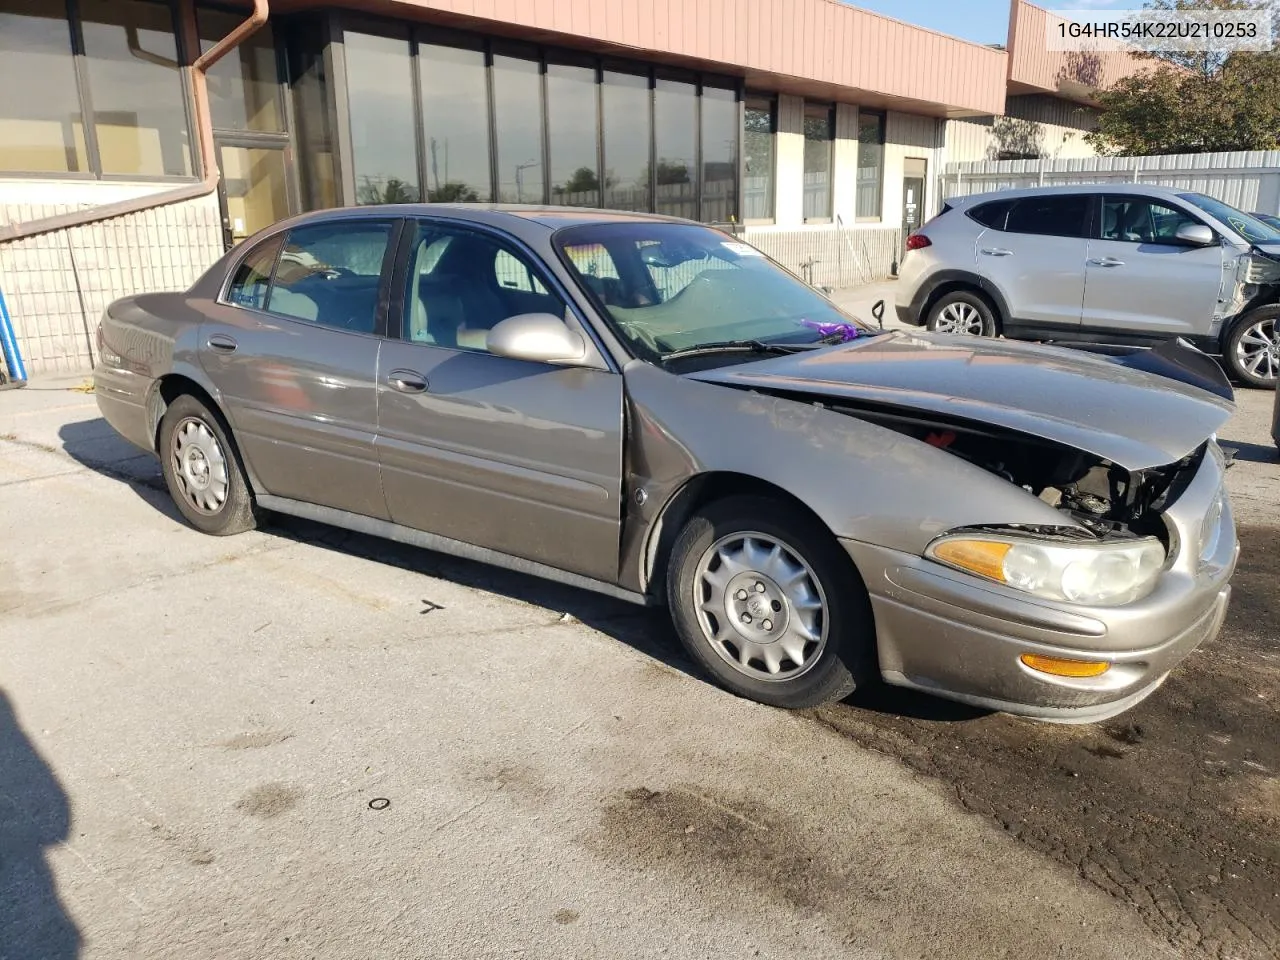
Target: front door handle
(1105,262)
(222,343)
(998,252)
(407,381)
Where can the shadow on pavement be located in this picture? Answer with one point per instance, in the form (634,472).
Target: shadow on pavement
(1251,452)
(34,813)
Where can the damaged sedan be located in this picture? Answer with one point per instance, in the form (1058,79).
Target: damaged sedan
(652,409)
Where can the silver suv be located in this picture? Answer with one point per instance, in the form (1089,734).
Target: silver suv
(1113,264)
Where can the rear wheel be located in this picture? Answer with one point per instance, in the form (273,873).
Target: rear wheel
(764,599)
(202,469)
(962,311)
(1253,348)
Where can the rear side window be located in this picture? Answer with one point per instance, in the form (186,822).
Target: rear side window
(329,274)
(253,277)
(1064,215)
(993,214)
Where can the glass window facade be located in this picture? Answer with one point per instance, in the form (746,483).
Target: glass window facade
(759,127)
(573,131)
(455,118)
(130,63)
(384,150)
(517,118)
(313,128)
(870,162)
(627,107)
(139,110)
(244,88)
(41,127)
(819,140)
(521,124)
(675,125)
(719,154)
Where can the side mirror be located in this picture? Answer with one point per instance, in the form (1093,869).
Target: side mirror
(1195,235)
(542,337)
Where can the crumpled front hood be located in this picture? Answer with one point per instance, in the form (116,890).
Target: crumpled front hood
(1134,419)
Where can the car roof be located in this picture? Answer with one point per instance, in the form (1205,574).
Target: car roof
(509,216)
(1143,189)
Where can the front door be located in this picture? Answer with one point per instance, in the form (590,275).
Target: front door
(256,188)
(1140,280)
(914,173)
(520,457)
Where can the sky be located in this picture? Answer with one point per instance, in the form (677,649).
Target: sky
(983,21)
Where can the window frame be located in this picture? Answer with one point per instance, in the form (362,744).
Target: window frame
(598,355)
(883,117)
(1099,213)
(382,305)
(830,109)
(771,100)
(71,17)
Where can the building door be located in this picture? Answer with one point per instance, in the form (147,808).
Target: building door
(257,186)
(913,177)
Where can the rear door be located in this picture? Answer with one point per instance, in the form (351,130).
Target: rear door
(293,348)
(1140,281)
(1036,260)
(520,457)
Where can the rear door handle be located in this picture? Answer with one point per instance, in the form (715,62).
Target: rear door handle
(998,252)
(222,343)
(407,381)
(1105,262)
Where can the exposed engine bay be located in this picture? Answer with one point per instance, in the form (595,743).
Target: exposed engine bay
(1104,498)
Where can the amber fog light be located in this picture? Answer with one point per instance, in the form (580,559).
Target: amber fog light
(1062,667)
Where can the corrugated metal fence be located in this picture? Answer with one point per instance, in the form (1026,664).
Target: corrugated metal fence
(834,256)
(57,284)
(1247,180)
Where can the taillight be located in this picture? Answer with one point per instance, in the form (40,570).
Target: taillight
(918,240)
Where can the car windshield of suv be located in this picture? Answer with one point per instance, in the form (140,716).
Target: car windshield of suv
(1247,227)
(670,288)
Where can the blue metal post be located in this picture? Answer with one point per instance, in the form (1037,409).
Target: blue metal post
(9,343)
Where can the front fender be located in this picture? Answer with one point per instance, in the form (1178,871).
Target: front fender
(863,481)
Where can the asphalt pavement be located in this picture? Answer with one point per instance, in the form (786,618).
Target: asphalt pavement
(300,742)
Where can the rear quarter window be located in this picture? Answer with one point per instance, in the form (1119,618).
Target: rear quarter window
(993,214)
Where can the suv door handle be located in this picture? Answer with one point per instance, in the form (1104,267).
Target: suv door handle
(222,343)
(1105,262)
(998,252)
(407,381)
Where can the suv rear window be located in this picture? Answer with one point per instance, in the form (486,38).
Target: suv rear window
(1064,215)
(992,214)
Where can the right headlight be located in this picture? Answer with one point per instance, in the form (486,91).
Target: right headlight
(1096,574)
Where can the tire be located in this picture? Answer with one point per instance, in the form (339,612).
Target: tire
(202,469)
(962,312)
(1252,350)
(829,668)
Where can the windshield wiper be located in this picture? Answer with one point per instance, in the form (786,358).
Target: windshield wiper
(738,346)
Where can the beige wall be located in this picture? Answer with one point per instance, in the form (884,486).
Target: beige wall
(1034,67)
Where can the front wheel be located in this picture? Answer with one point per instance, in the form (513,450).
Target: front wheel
(1253,348)
(764,599)
(202,469)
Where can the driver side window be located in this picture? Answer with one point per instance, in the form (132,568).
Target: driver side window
(461,283)
(1138,220)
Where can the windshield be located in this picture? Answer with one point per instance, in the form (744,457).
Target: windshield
(673,287)
(1247,227)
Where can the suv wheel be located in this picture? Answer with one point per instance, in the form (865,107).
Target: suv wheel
(964,312)
(1253,348)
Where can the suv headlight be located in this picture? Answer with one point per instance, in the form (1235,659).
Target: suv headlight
(1097,574)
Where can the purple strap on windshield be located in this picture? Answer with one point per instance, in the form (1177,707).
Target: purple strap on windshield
(849,331)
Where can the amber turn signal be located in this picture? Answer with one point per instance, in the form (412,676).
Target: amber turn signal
(1062,667)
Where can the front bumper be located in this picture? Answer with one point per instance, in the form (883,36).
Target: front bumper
(958,636)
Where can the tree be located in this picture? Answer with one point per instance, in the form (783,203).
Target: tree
(392,190)
(452,192)
(1197,102)
(583,180)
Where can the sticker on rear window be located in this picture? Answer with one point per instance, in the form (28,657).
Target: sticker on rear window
(741,249)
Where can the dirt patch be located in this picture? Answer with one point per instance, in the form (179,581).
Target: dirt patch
(1170,808)
(256,740)
(268,800)
(564,917)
